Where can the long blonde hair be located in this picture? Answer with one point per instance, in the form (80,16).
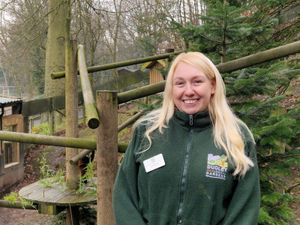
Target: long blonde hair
(226,126)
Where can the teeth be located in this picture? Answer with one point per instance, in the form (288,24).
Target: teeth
(189,101)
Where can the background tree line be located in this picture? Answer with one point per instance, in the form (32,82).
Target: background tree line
(263,96)
(111,30)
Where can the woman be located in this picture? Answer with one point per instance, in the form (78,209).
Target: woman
(191,162)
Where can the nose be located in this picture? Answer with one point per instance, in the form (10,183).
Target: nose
(189,90)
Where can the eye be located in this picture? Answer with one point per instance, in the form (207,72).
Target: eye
(179,83)
(198,81)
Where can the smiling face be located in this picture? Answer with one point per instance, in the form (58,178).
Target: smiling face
(191,88)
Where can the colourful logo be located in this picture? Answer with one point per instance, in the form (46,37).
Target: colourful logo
(216,166)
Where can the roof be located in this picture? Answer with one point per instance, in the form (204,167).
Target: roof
(6,101)
(150,64)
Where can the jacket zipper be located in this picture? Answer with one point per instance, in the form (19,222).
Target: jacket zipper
(184,172)
(191,120)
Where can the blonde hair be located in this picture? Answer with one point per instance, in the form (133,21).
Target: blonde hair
(226,126)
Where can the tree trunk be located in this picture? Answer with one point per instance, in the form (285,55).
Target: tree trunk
(55,46)
(55,51)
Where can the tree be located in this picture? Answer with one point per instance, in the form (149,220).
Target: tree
(22,35)
(55,46)
(228,30)
(231,29)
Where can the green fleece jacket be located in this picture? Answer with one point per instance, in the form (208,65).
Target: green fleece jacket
(184,179)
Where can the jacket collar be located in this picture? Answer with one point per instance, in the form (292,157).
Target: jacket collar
(198,121)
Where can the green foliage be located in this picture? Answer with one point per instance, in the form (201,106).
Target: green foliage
(231,30)
(45,171)
(14,197)
(275,210)
(43,128)
(48,176)
(87,183)
(228,31)
(56,178)
(257,96)
(275,133)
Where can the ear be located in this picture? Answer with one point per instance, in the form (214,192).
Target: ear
(213,86)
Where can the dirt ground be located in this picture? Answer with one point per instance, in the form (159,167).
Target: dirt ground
(23,217)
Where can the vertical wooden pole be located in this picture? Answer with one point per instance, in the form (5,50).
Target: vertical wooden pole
(1,161)
(106,154)
(51,118)
(1,149)
(72,171)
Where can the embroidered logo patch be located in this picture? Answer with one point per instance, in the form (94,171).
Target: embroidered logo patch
(216,166)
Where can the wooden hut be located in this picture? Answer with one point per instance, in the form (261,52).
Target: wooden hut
(155,67)
(11,153)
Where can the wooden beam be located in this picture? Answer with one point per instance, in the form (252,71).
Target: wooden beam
(16,205)
(79,156)
(106,155)
(260,57)
(83,143)
(131,120)
(38,106)
(121,149)
(61,74)
(141,92)
(92,118)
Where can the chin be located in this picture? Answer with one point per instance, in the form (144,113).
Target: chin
(191,112)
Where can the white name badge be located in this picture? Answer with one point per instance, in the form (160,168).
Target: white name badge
(154,163)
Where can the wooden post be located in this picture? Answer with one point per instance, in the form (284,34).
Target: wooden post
(106,155)
(72,171)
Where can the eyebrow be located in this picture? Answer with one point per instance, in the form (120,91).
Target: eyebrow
(195,76)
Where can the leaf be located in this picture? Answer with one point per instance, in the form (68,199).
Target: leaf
(264,217)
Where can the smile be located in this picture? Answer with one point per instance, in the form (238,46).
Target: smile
(190,101)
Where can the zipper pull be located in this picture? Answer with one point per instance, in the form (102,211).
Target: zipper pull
(191,120)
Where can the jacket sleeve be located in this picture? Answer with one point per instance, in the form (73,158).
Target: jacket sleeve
(245,202)
(125,193)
